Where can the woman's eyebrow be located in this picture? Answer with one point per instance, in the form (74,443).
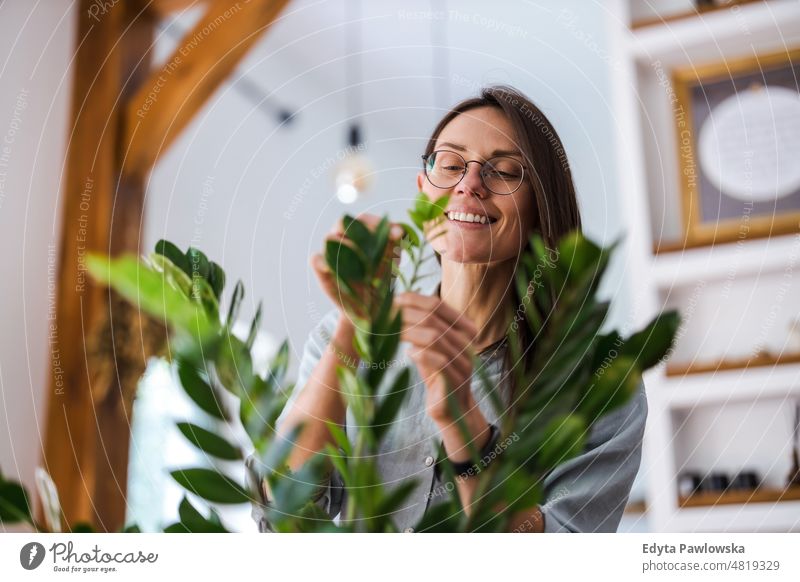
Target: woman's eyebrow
(506,153)
(461,148)
(455,146)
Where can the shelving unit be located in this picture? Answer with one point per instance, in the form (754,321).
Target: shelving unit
(642,22)
(734,295)
(740,497)
(759,361)
(728,386)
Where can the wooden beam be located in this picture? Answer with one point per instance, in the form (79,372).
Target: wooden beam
(174,93)
(120,110)
(112,54)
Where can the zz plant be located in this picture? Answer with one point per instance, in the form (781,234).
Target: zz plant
(568,382)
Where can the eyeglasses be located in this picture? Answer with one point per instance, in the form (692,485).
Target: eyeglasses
(501,175)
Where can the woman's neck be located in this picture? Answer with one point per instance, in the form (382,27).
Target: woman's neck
(481,292)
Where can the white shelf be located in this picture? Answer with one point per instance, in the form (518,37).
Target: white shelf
(649,178)
(721,30)
(729,386)
(782,516)
(743,258)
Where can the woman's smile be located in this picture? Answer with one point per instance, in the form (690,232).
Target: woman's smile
(470,218)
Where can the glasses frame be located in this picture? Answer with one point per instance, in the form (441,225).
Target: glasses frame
(466,167)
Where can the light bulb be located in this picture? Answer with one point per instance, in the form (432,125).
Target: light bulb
(353,176)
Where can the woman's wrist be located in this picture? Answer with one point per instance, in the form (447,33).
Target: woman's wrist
(341,343)
(455,445)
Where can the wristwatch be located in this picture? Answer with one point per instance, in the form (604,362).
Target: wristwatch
(472,468)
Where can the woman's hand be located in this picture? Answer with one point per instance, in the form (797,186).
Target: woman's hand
(440,338)
(328,280)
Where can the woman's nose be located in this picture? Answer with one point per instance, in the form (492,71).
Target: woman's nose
(472,183)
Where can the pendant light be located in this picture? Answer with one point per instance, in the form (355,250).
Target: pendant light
(353,175)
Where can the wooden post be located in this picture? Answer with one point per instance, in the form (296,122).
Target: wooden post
(104,72)
(119,130)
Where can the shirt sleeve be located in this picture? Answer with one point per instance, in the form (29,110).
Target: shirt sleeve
(589,493)
(331,492)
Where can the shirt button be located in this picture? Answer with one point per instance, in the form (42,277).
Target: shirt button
(408,530)
(428,461)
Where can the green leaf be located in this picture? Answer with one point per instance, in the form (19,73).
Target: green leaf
(441,518)
(418,218)
(200,391)
(457,413)
(340,437)
(609,347)
(187,511)
(234,366)
(392,502)
(345,262)
(387,410)
(439,206)
(357,232)
(210,442)
(362,342)
(203,293)
(614,387)
(192,521)
(377,251)
(174,254)
(654,341)
(577,255)
(216,278)
(236,303)
(173,274)
(148,289)
(211,485)
(312,518)
(279,365)
(410,234)
(564,439)
(254,327)
(198,263)
(281,447)
(14,504)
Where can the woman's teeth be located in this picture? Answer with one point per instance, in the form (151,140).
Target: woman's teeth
(466,217)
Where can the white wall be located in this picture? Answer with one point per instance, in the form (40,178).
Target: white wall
(35,52)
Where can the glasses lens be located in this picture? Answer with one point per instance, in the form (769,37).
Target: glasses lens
(444,169)
(502,175)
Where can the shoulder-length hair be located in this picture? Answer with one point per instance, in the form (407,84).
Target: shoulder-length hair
(548,173)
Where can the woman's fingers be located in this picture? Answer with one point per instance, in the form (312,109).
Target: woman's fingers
(439,308)
(433,363)
(428,339)
(414,318)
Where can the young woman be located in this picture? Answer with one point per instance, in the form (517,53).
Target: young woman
(505,169)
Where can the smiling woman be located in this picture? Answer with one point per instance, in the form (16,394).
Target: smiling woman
(502,165)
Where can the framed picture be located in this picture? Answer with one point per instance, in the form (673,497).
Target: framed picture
(738,138)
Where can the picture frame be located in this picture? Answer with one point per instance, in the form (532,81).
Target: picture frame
(738,139)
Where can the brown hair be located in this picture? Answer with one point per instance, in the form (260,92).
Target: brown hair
(556,206)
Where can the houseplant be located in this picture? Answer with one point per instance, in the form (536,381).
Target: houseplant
(570,381)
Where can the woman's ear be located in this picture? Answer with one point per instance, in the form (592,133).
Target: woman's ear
(420,180)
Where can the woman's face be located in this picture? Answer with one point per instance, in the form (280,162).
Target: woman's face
(480,134)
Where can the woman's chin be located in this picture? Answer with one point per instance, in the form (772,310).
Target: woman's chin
(461,254)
